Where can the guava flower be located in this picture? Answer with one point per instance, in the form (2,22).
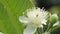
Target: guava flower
(36,18)
(1,33)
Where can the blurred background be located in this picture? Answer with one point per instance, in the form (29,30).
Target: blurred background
(52,6)
(10,10)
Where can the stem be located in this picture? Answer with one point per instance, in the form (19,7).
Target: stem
(48,27)
(40,30)
(54,28)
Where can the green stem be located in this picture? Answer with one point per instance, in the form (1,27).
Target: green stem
(54,28)
(49,26)
(40,30)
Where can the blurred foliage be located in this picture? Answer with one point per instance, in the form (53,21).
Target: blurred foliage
(10,10)
(55,9)
(47,4)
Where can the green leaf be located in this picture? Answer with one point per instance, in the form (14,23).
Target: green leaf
(10,10)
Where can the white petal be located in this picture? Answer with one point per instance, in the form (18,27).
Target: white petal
(44,22)
(24,19)
(30,29)
(57,23)
(1,33)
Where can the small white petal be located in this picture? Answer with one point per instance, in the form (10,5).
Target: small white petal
(44,22)
(24,19)
(30,29)
(1,33)
(57,23)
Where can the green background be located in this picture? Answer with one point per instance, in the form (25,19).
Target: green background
(10,10)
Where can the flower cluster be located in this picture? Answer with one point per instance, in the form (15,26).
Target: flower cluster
(36,18)
(39,19)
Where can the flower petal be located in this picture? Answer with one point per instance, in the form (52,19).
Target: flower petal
(24,19)
(1,33)
(30,29)
(44,22)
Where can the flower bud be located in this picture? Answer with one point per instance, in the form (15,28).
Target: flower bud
(53,18)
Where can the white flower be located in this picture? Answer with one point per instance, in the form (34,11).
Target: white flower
(36,18)
(1,33)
